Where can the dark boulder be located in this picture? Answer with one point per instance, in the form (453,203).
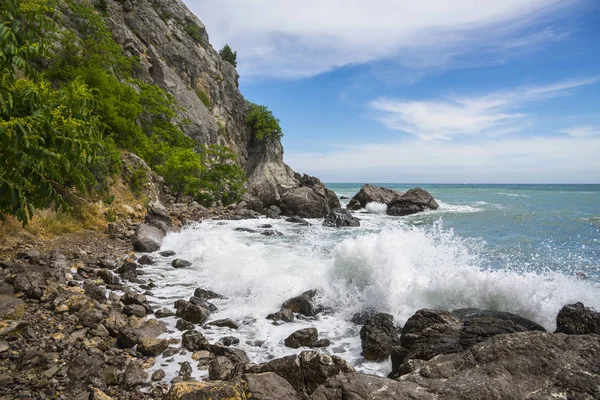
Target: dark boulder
(356,386)
(158,216)
(297,220)
(135,374)
(91,318)
(127,337)
(108,277)
(11,307)
(152,347)
(193,313)
(306,337)
(303,304)
(146,260)
(413,201)
(203,303)
(180,263)
(378,336)
(207,294)
(270,386)
(164,313)
(84,367)
(227,322)
(167,253)
(339,218)
(132,297)
(94,292)
(309,201)
(183,325)
(135,310)
(222,369)
(147,238)
(576,319)
(371,193)
(194,341)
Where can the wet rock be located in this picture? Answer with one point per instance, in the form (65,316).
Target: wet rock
(211,390)
(170,351)
(309,201)
(304,371)
(186,370)
(371,193)
(229,323)
(147,238)
(282,316)
(134,309)
(167,253)
(11,308)
(377,336)
(203,303)
(146,260)
(158,375)
(241,229)
(306,337)
(470,313)
(114,322)
(221,369)
(129,267)
(164,313)
(152,347)
(183,325)
(271,232)
(413,201)
(270,386)
(91,318)
(108,277)
(193,313)
(127,337)
(180,263)
(238,356)
(97,394)
(206,294)
(194,341)
(303,304)
(297,220)
(357,386)
(339,218)
(132,297)
(577,319)
(229,340)
(135,374)
(322,343)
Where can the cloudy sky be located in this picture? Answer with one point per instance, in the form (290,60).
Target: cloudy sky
(461,91)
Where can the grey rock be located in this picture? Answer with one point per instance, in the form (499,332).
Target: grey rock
(164,313)
(306,337)
(132,297)
(183,325)
(355,386)
(84,367)
(127,337)
(186,370)
(193,313)
(167,253)
(371,193)
(194,341)
(229,323)
(577,319)
(229,340)
(339,217)
(377,337)
(152,347)
(221,369)
(158,375)
(135,374)
(11,307)
(179,263)
(413,201)
(270,386)
(147,238)
(297,220)
(146,260)
(207,294)
(91,318)
(203,303)
(303,304)
(108,277)
(134,309)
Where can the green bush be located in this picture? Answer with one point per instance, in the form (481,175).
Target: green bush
(137,181)
(193,30)
(204,98)
(262,122)
(228,55)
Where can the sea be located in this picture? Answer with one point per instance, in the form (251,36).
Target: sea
(524,249)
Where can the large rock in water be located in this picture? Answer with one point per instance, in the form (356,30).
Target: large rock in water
(309,202)
(147,238)
(371,193)
(411,202)
(339,218)
(577,319)
(378,336)
(525,365)
(429,333)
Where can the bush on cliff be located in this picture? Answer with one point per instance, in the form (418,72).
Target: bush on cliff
(228,55)
(262,122)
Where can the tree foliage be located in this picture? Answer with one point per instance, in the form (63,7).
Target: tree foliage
(262,122)
(228,55)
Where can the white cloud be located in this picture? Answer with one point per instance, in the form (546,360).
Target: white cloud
(522,160)
(582,131)
(492,114)
(302,38)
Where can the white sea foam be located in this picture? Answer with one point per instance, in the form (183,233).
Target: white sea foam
(456,208)
(376,208)
(398,269)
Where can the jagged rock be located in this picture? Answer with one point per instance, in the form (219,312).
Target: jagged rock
(304,371)
(164,313)
(576,319)
(371,193)
(377,336)
(84,367)
(147,238)
(203,303)
(194,341)
(221,369)
(229,323)
(470,313)
(152,347)
(303,304)
(167,253)
(339,218)
(134,309)
(193,313)
(158,216)
(411,202)
(309,202)
(306,337)
(271,232)
(229,340)
(283,315)
(207,294)
(183,325)
(158,375)
(97,394)
(132,297)
(238,356)
(135,374)
(186,370)
(94,292)
(358,386)
(34,280)
(91,318)
(108,277)
(270,386)
(297,220)
(11,308)
(179,263)
(211,390)
(146,260)
(127,337)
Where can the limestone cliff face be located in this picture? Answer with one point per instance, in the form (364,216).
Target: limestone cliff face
(175,53)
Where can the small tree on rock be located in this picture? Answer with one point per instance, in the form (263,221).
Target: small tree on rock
(228,55)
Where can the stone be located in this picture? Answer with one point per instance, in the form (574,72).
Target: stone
(203,303)
(222,323)
(147,238)
(283,315)
(306,337)
(134,309)
(577,319)
(270,386)
(221,369)
(305,371)
(322,343)
(303,304)
(271,232)
(377,336)
(413,201)
(97,394)
(132,297)
(339,218)
(158,216)
(313,201)
(356,386)
(164,313)
(84,367)
(146,260)
(207,294)
(211,390)
(179,263)
(158,375)
(94,292)
(193,313)
(183,325)
(91,318)
(297,220)
(108,277)
(229,340)
(11,308)
(134,375)
(194,341)
(186,370)
(167,253)
(371,193)
(127,337)
(152,347)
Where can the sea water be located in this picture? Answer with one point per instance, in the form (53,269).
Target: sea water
(525,249)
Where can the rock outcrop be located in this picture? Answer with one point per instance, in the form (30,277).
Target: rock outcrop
(371,193)
(413,201)
(339,218)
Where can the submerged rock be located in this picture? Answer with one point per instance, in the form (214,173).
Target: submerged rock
(339,218)
(306,337)
(303,304)
(180,263)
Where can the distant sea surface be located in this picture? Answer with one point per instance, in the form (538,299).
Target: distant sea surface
(525,249)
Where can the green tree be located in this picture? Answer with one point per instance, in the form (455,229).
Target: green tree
(262,122)
(182,172)
(228,55)
(221,179)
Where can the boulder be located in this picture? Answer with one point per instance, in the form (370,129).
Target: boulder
(413,201)
(371,193)
(90,318)
(127,337)
(108,277)
(229,323)
(147,238)
(576,319)
(193,313)
(297,220)
(132,297)
(207,294)
(180,263)
(203,303)
(270,386)
(306,337)
(164,313)
(11,307)
(158,216)
(135,310)
(304,371)
(378,336)
(210,390)
(146,260)
(152,347)
(221,369)
(194,341)
(84,367)
(135,374)
(303,304)
(339,218)
(309,202)
(356,386)
(94,292)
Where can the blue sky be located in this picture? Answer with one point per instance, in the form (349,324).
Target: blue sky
(429,91)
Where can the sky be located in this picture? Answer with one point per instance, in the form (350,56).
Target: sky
(429,91)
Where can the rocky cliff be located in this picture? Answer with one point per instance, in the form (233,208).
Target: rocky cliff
(175,54)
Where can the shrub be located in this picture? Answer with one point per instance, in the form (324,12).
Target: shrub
(204,97)
(193,30)
(262,122)
(228,55)
(182,172)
